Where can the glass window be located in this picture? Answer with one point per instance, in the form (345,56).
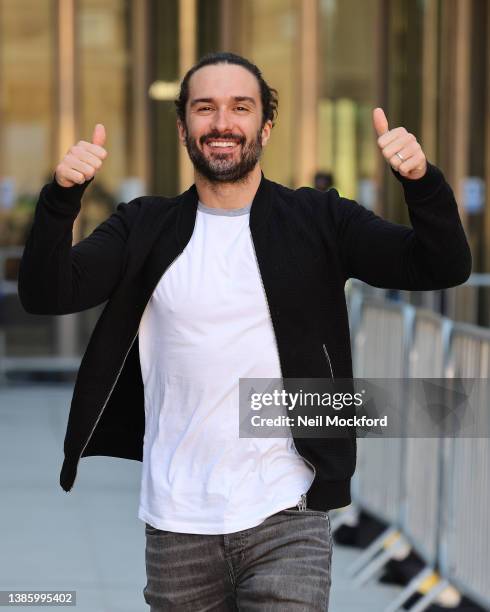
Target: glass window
(27,100)
(478,104)
(404,87)
(347,146)
(164,67)
(478,149)
(209,24)
(103,77)
(267,34)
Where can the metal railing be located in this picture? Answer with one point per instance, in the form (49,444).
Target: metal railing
(465,540)
(433,493)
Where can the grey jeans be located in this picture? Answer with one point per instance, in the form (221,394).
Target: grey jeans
(283,565)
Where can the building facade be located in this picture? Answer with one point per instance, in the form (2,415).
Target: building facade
(68,64)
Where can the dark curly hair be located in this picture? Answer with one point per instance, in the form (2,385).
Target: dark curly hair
(268,95)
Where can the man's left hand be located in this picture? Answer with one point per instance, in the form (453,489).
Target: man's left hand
(400,148)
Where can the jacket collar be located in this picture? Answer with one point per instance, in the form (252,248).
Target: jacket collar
(259,212)
(261,204)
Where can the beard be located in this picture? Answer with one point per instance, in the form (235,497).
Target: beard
(221,167)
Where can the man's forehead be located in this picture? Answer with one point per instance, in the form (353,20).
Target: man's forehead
(223,81)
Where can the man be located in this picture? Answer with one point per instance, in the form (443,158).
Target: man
(238,277)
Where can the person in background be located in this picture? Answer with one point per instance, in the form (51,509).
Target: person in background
(323,181)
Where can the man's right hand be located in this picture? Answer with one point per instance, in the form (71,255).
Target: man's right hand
(82,160)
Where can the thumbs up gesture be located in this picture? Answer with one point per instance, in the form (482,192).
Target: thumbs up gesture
(82,160)
(399,147)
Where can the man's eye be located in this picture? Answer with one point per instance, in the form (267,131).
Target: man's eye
(204,108)
(241,108)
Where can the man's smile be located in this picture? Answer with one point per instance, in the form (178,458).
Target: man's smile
(222,145)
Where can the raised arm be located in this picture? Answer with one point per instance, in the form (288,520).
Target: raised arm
(433,253)
(54,276)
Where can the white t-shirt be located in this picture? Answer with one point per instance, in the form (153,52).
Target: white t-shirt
(206,326)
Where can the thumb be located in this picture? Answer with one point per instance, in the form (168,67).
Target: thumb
(380,121)
(98,136)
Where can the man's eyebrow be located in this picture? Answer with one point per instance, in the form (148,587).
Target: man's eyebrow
(244,99)
(235,98)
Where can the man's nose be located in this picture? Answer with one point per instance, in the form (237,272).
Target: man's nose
(222,120)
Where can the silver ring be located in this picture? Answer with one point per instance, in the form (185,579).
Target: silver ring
(398,155)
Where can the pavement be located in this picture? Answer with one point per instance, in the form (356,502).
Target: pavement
(90,539)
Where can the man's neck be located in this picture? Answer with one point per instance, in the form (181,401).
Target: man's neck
(228,195)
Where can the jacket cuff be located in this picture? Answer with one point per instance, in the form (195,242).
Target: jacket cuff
(424,187)
(65,199)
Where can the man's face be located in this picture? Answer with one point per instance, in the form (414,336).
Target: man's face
(223,132)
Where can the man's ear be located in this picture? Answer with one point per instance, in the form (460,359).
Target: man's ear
(182,132)
(266,132)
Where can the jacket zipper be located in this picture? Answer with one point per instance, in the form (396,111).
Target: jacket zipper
(328,359)
(302,503)
(124,360)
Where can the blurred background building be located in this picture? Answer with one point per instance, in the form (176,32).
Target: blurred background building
(68,64)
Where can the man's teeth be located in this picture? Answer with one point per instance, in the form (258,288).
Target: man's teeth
(221,144)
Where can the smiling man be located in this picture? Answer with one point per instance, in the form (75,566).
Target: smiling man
(220,155)
(238,277)
(225,115)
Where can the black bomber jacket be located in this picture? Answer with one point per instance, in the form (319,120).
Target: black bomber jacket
(307,244)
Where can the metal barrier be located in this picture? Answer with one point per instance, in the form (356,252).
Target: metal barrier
(37,344)
(8,286)
(381,343)
(465,538)
(433,493)
(423,461)
(422,470)
(380,351)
